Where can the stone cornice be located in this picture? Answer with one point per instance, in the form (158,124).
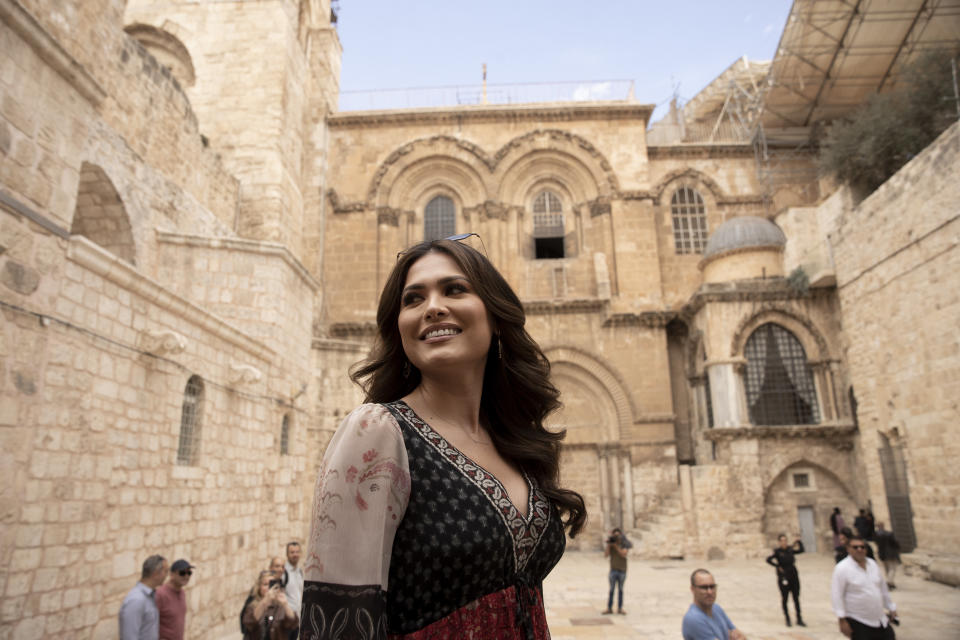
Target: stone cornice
(655,418)
(840,432)
(242,244)
(757,290)
(540,112)
(353,329)
(47,48)
(331,344)
(103,263)
(580,305)
(653,319)
(699,151)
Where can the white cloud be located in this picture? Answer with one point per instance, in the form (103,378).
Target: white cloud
(767,30)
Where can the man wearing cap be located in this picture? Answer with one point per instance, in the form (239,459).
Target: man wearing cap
(172,601)
(138,614)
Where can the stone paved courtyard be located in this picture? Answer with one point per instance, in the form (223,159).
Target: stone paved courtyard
(657,595)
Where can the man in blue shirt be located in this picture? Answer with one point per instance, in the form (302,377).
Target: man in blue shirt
(705,620)
(139,618)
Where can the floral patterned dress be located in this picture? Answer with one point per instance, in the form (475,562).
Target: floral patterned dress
(412,539)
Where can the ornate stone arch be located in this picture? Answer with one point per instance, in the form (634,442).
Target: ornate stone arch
(814,343)
(604,375)
(166,48)
(551,154)
(101,216)
(841,461)
(464,160)
(689,176)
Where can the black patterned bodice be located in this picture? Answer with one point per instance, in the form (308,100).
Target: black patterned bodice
(461,538)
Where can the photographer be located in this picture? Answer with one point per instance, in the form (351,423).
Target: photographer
(616,548)
(268,616)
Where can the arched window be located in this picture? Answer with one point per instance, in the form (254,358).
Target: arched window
(689,221)
(780,386)
(439,219)
(548,225)
(191,420)
(285,436)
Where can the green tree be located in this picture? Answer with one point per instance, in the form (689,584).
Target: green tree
(868,147)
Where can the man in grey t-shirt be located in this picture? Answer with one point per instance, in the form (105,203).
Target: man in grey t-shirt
(138,617)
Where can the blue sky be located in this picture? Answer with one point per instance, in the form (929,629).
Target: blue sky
(682,44)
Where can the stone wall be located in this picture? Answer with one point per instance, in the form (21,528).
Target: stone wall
(901,304)
(92,425)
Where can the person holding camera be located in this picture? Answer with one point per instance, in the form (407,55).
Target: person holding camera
(787,577)
(268,615)
(616,550)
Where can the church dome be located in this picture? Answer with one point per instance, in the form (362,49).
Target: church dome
(744,232)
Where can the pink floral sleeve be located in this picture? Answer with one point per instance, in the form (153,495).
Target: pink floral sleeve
(359,500)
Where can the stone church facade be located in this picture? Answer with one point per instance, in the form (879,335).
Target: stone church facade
(193,238)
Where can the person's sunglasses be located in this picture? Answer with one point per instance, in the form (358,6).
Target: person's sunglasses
(857,546)
(706,587)
(185,572)
(459,237)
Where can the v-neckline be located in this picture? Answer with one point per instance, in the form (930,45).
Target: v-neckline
(530,488)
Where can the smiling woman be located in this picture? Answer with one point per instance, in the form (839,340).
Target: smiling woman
(437,511)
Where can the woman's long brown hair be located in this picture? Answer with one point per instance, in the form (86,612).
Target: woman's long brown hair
(517,393)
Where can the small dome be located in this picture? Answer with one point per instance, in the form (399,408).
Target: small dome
(743,233)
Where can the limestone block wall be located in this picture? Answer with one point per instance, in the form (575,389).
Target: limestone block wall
(251,98)
(726,179)
(257,286)
(808,246)
(726,506)
(385,166)
(90,431)
(56,116)
(901,303)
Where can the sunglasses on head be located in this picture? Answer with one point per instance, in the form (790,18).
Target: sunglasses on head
(185,572)
(458,237)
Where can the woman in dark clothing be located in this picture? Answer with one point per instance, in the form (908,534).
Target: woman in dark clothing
(787,578)
(438,509)
(267,614)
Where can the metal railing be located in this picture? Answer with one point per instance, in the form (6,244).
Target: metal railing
(517,93)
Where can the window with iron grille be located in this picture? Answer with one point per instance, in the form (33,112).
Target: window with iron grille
(780,387)
(439,219)
(548,226)
(285,436)
(689,221)
(191,417)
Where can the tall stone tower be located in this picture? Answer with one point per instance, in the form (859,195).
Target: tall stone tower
(261,78)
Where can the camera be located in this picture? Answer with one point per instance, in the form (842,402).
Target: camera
(276,582)
(613,540)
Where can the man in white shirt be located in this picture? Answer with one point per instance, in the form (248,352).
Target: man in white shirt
(294,584)
(859,595)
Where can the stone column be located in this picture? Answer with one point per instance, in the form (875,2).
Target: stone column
(627,508)
(727,393)
(823,384)
(604,489)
